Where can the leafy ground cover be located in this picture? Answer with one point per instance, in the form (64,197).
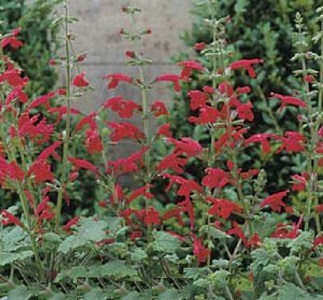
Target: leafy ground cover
(222,237)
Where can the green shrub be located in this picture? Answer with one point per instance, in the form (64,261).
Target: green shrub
(34,19)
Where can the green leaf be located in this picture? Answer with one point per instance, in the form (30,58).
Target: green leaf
(165,242)
(138,254)
(89,231)
(292,291)
(169,294)
(57,297)
(9,258)
(19,293)
(303,242)
(96,294)
(215,233)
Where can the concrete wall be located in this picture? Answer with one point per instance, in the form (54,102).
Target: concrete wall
(97,34)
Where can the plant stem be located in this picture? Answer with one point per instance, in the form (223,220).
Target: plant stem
(66,138)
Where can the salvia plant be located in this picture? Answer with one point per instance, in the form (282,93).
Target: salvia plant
(222,237)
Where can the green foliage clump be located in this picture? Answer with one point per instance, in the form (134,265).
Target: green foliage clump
(40,43)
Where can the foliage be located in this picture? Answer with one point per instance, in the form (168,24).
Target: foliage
(222,237)
(251,33)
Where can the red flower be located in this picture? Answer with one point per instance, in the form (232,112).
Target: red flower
(275,201)
(87,120)
(199,46)
(93,141)
(299,182)
(226,88)
(150,216)
(170,77)
(293,141)
(126,165)
(246,64)
(186,147)
(41,100)
(7,218)
(143,191)
(318,241)
(223,207)
(12,40)
(124,130)
(236,230)
(200,251)
(80,81)
(283,231)
(188,67)
(319,208)
(215,178)
(116,78)
(70,223)
(159,108)
(245,112)
(44,211)
(173,213)
(13,78)
(83,164)
(172,162)
(187,206)
(288,100)
(260,138)
(124,108)
(164,130)
(40,171)
(187,186)
(198,99)
(207,115)
(16,93)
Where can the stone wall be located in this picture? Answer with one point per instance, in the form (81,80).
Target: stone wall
(97,34)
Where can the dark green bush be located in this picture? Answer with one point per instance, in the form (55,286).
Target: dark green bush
(40,45)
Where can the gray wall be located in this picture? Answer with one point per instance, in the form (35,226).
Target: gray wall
(97,34)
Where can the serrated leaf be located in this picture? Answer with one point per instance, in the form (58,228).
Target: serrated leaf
(214,232)
(132,296)
(57,297)
(170,294)
(138,254)
(89,231)
(165,242)
(303,242)
(19,293)
(96,294)
(10,257)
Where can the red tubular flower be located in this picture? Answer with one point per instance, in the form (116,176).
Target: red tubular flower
(284,231)
(12,40)
(246,64)
(226,88)
(223,207)
(164,130)
(236,230)
(172,162)
(187,206)
(128,164)
(150,216)
(288,100)
(245,112)
(83,164)
(40,171)
(124,130)
(13,78)
(116,78)
(159,108)
(293,141)
(261,138)
(41,100)
(87,120)
(93,142)
(186,147)
(44,211)
(70,223)
(275,201)
(142,191)
(199,46)
(207,115)
(172,78)
(198,99)
(173,213)
(299,182)
(80,81)
(200,251)
(7,218)
(188,66)
(318,241)
(124,108)
(215,178)
(16,93)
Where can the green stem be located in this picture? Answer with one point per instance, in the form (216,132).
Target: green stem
(66,139)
